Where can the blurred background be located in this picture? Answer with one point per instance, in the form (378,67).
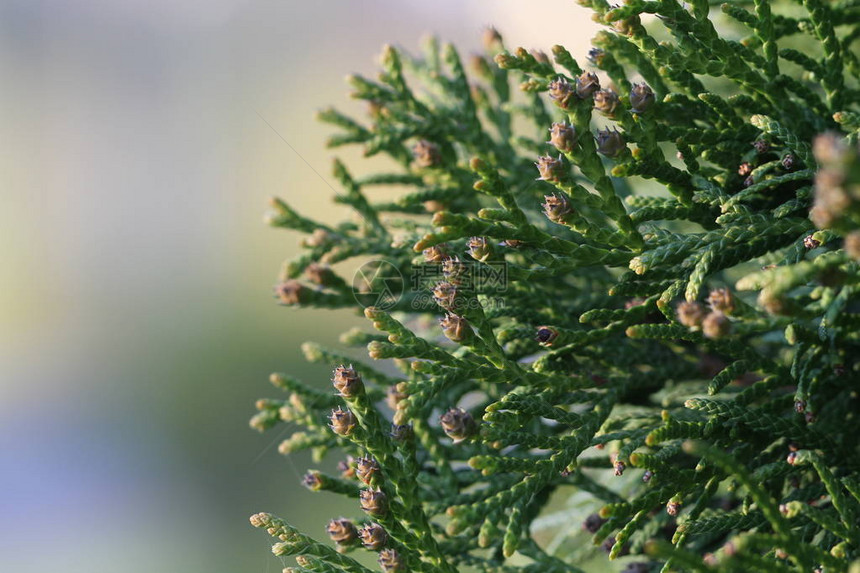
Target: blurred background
(139,141)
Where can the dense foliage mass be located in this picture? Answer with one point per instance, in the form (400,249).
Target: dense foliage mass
(646,328)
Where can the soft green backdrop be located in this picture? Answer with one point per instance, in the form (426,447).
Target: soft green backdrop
(137,326)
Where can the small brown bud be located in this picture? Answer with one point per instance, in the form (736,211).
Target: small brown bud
(540,56)
(454,269)
(367,469)
(342,422)
(546,335)
(610,542)
(456,328)
(673,507)
(646,477)
(593,523)
(342,531)
(852,245)
(562,136)
(373,536)
(313,481)
(761,146)
(830,149)
(610,143)
(595,56)
(626,26)
(791,458)
(749,181)
(773,303)
(320,274)
(347,381)
(556,208)
(292,292)
(458,424)
(716,325)
(810,243)
(561,92)
(641,98)
(480,248)
(401,432)
(690,314)
(347,468)
(744,169)
(789,162)
(373,501)
(586,84)
(549,168)
(393,396)
(445,294)
(619,467)
(391,562)
(318,238)
(513,243)
(426,154)
(606,102)
(491,39)
(435,254)
(722,300)
(799,406)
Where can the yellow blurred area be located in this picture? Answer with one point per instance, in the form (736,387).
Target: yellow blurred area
(140,141)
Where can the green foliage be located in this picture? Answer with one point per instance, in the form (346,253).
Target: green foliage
(673,358)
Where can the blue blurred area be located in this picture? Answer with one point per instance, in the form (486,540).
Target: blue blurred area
(137,326)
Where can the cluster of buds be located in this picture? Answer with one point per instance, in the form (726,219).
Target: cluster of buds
(714,324)
(690,314)
(722,300)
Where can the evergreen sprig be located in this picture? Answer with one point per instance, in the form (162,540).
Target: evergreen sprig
(677,370)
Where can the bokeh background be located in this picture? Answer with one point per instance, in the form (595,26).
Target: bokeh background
(139,140)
